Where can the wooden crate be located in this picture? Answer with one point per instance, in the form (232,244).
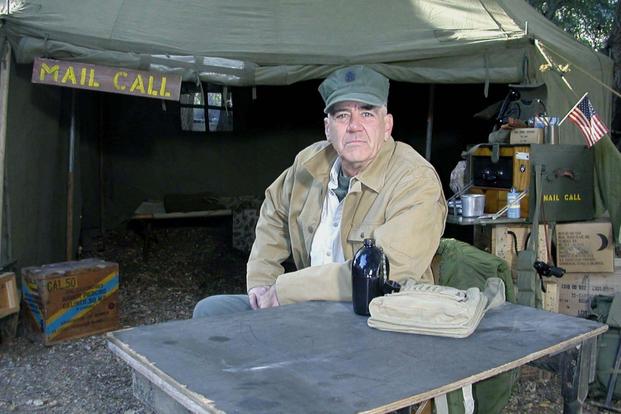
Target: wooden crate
(521,163)
(496,198)
(499,241)
(551,296)
(72,299)
(9,296)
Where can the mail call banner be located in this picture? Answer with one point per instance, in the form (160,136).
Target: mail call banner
(106,79)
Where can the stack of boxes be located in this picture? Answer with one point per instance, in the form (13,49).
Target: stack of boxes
(564,173)
(586,251)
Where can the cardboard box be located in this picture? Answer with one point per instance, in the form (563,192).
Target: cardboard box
(72,299)
(577,289)
(9,297)
(585,247)
(526,136)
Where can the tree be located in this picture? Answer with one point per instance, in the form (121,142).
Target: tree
(614,51)
(590,21)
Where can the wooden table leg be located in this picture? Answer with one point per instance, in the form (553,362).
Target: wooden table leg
(152,396)
(425,407)
(147,235)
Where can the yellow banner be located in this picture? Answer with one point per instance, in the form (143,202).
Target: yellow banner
(106,79)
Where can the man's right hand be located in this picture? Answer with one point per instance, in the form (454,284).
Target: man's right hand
(263,297)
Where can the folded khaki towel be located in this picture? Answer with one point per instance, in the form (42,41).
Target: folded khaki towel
(435,310)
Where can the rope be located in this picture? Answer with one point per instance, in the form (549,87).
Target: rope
(599,82)
(547,59)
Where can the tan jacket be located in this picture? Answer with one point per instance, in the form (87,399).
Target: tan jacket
(397,200)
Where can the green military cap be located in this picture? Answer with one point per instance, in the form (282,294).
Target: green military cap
(355,83)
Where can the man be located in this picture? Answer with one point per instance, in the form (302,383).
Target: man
(357,184)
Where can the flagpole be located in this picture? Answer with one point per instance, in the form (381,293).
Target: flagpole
(572,108)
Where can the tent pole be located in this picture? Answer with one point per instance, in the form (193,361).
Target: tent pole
(429,123)
(70,177)
(101,169)
(5,70)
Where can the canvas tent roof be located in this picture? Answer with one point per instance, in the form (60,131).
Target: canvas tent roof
(280,42)
(248,42)
(277,42)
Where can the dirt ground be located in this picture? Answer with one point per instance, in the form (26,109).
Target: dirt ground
(185,264)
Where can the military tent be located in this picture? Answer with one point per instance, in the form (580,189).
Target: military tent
(283,42)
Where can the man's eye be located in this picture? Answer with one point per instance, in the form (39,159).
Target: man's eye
(342,115)
(367,114)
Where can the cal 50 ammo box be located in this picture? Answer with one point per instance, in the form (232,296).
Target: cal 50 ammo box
(72,299)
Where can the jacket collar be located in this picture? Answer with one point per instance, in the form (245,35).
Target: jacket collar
(320,164)
(375,174)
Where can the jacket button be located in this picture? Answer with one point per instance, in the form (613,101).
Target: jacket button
(362,235)
(310,229)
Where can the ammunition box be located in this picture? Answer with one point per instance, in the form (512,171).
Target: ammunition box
(566,184)
(72,299)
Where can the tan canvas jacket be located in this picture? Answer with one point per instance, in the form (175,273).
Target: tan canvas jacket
(397,200)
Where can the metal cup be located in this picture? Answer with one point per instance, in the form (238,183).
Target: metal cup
(550,134)
(472,205)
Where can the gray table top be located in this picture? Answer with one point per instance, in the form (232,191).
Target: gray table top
(320,357)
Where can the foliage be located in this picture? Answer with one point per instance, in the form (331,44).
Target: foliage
(590,21)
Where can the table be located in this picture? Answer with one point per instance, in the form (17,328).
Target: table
(320,357)
(154,210)
(151,210)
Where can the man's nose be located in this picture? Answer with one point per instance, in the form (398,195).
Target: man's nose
(354,122)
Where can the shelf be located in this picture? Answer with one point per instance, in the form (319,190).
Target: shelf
(468,221)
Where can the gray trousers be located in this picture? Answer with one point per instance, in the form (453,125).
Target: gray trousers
(221,305)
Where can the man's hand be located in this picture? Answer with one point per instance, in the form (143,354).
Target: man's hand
(262,297)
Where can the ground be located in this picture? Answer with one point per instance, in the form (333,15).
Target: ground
(185,264)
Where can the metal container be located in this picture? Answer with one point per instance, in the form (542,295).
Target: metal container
(551,134)
(567,190)
(472,205)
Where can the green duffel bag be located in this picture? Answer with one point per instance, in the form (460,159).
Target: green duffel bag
(463,266)
(490,395)
(606,309)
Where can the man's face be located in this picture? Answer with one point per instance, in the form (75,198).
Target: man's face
(357,132)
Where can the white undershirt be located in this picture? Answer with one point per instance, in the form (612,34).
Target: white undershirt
(326,247)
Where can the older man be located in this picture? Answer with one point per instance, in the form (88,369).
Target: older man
(357,184)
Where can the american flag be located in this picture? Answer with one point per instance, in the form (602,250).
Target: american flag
(585,118)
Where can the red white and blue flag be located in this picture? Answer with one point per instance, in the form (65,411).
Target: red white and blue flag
(586,119)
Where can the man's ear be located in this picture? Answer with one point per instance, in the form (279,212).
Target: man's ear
(326,128)
(388,124)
